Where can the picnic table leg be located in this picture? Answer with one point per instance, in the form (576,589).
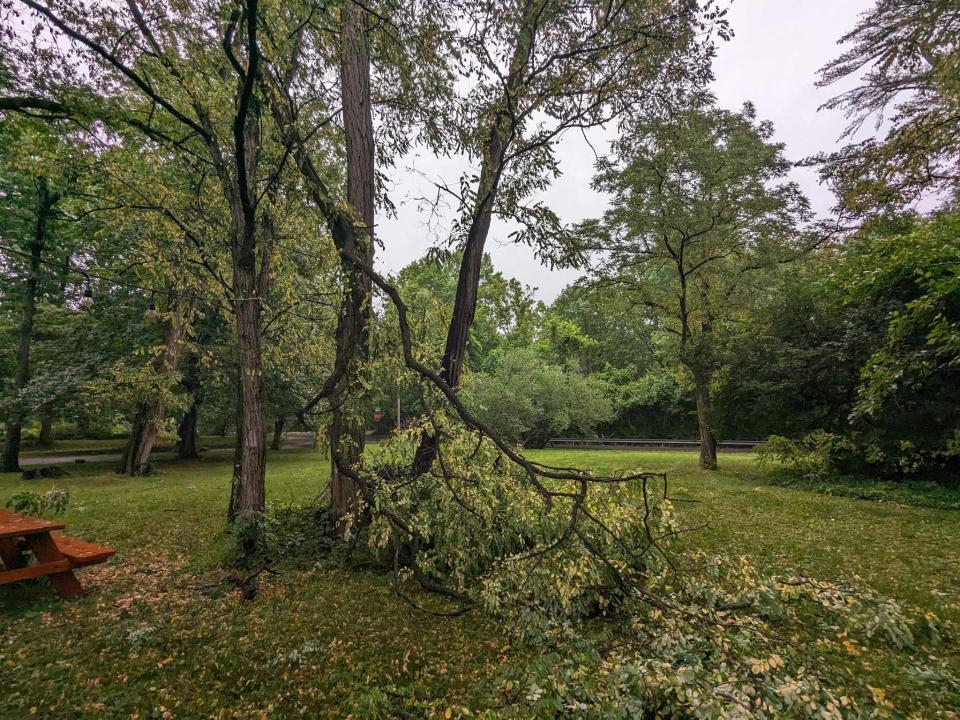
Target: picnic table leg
(46,550)
(10,554)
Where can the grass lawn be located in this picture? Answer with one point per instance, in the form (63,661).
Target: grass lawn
(159,637)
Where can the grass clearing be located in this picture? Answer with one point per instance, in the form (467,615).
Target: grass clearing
(158,637)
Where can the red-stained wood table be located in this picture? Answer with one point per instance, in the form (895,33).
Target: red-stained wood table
(56,555)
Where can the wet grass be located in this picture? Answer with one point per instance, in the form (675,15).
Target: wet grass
(161,636)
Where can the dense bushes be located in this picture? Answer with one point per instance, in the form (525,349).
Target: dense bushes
(897,285)
(821,455)
(526,400)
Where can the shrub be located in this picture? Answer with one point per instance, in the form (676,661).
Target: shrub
(526,400)
(820,455)
(815,455)
(53,502)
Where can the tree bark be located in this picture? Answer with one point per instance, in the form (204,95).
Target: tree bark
(348,424)
(187,429)
(251,228)
(14,429)
(135,460)
(278,426)
(248,490)
(46,431)
(187,433)
(468,282)
(249,471)
(708,441)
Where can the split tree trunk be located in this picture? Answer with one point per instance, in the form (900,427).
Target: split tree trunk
(46,431)
(135,460)
(708,441)
(14,429)
(348,424)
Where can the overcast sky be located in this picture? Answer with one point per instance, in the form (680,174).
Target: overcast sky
(772,60)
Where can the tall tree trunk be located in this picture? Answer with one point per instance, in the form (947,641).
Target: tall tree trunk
(46,430)
(708,442)
(251,228)
(187,428)
(187,433)
(146,422)
(348,424)
(278,425)
(248,490)
(14,430)
(135,460)
(468,282)
(249,471)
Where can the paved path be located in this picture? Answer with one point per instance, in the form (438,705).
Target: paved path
(293,441)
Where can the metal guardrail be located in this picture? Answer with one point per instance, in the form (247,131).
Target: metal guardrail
(647,443)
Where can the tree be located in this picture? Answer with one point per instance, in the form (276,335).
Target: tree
(143,74)
(348,425)
(911,51)
(163,375)
(505,314)
(527,400)
(593,326)
(792,364)
(577,69)
(699,204)
(35,164)
(907,401)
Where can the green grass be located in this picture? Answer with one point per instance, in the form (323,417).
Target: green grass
(159,634)
(906,551)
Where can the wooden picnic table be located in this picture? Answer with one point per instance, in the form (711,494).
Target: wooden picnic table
(56,555)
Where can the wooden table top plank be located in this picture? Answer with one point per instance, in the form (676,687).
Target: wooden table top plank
(14,525)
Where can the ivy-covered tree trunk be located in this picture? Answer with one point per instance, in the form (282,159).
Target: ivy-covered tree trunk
(708,441)
(348,424)
(14,430)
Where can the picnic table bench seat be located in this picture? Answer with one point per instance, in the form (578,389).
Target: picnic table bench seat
(56,554)
(80,552)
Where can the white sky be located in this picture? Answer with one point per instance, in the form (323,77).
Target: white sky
(773,60)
